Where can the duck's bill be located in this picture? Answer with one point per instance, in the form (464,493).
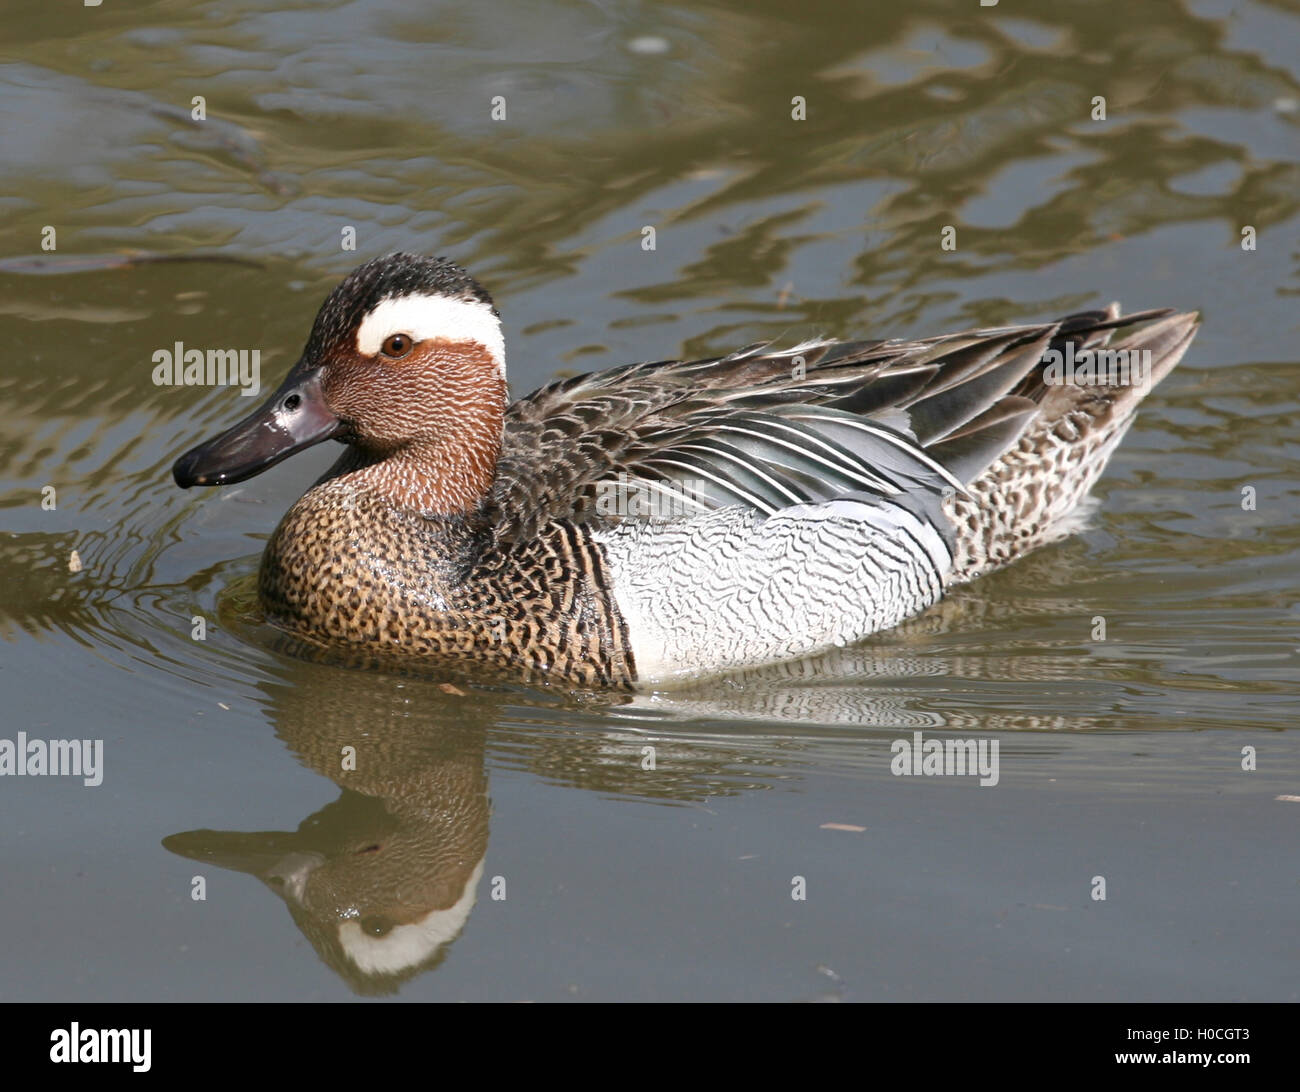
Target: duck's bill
(293,418)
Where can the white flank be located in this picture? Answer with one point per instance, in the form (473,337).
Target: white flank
(708,594)
(422,317)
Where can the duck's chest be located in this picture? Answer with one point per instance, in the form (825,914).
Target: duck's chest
(351,569)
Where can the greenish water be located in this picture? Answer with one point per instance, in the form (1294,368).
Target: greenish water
(223,758)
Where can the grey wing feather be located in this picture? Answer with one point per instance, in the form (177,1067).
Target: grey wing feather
(766,428)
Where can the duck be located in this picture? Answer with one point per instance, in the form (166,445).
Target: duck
(671,521)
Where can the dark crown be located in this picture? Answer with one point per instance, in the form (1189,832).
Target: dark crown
(390,277)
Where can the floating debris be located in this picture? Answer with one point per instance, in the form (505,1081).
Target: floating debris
(842,826)
(74,562)
(648,45)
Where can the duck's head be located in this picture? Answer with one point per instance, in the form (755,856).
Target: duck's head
(406,362)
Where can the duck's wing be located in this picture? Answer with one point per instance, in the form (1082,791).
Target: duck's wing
(766,428)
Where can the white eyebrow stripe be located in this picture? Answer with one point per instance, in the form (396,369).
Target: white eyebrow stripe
(427,316)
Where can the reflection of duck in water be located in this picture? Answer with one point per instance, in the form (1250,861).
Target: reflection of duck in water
(384,878)
(815,495)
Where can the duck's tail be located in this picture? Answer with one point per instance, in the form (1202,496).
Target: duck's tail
(1087,391)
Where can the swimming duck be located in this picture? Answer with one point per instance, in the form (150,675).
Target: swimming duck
(664,521)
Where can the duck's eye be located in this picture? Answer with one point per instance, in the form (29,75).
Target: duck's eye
(396,345)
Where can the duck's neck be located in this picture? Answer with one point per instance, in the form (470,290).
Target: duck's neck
(449,476)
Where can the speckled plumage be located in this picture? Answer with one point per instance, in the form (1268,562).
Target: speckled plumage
(831,489)
(347,566)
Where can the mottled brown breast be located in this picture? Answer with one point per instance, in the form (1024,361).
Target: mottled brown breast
(346,567)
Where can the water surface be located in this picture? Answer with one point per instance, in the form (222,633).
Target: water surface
(1119,758)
